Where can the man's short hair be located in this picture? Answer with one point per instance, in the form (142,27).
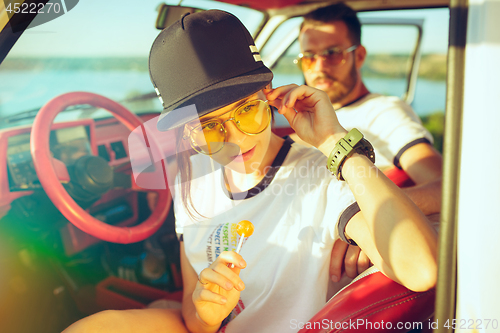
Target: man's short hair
(333,13)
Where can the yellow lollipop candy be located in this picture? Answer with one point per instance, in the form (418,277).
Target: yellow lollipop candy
(245,228)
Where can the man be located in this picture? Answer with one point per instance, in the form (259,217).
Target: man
(331,60)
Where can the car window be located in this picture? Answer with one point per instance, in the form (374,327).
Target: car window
(387,66)
(430,93)
(98,46)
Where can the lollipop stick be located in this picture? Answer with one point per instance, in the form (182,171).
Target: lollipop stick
(240,243)
(238,248)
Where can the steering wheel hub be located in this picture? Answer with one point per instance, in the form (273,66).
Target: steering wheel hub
(94,174)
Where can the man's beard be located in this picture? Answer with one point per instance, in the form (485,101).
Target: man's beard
(339,89)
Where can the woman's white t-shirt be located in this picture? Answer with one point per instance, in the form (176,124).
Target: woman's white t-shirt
(295,211)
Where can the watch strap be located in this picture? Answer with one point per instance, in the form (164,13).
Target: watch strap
(353,142)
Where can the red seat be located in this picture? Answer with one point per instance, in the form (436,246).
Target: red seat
(373,303)
(399,177)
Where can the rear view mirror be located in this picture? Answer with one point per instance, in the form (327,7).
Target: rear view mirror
(168,14)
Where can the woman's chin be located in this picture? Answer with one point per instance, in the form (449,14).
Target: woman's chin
(238,164)
(247,161)
(244,167)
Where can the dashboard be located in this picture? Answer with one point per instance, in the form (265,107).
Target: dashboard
(21,192)
(66,144)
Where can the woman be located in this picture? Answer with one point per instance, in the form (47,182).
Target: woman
(212,83)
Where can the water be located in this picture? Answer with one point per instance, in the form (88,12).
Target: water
(25,90)
(430,96)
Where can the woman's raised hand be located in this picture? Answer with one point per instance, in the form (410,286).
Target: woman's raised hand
(309,112)
(218,290)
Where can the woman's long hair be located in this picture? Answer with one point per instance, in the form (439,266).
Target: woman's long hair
(184,153)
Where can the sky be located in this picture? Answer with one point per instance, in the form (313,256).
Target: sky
(114,28)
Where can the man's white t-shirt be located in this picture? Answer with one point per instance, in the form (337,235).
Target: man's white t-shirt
(295,211)
(388,123)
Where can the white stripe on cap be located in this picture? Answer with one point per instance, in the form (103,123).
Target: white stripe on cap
(255,51)
(159,96)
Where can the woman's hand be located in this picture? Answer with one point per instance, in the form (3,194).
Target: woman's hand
(218,290)
(309,112)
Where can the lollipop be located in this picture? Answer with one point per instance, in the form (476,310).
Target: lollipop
(244,229)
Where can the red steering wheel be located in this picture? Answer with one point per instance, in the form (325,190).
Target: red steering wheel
(42,161)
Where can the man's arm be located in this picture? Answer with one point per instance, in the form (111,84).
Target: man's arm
(424,166)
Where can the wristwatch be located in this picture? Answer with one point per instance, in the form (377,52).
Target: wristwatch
(353,142)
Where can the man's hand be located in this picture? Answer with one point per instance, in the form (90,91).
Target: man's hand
(348,257)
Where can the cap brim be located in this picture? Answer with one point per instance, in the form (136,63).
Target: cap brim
(215,97)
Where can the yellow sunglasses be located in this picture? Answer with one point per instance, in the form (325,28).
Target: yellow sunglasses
(209,137)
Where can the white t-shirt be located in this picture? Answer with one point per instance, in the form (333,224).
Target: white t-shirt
(388,123)
(295,211)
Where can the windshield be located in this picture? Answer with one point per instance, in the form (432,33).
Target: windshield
(98,46)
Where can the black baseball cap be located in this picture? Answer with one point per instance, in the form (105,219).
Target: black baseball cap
(206,59)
